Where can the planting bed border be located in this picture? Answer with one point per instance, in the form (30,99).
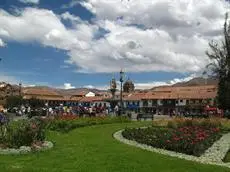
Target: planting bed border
(26,149)
(213,155)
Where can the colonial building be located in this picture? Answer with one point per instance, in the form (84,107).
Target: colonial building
(165,100)
(161,100)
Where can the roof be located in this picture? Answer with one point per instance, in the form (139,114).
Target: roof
(197,92)
(74,98)
(135,96)
(91,99)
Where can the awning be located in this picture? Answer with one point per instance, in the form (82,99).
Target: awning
(131,106)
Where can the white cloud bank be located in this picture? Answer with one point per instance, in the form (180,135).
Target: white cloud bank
(29,1)
(160,35)
(147,85)
(68,86)
(2,44)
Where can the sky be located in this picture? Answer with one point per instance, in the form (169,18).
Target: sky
(84,43)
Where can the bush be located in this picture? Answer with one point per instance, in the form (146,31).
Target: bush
(180,122)
(192,140)
(65,124)
(24,133)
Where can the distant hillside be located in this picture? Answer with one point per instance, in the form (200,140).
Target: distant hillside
(66,91)
(197,82)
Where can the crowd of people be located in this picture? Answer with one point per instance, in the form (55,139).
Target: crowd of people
(62,110)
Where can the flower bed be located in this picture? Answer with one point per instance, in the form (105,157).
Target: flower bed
(22,136)
(66,125)
(213,155)
(191,140)
(67,117)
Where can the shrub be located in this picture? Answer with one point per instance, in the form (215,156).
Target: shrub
(24,133)
(180,122)
(160,123)
(65,125)
(192,140)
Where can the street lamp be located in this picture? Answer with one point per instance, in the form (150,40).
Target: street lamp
(121,81)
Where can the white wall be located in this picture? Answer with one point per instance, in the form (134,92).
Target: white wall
(102,103)
(181,102)
(159,102)
(90,94)
(141,103)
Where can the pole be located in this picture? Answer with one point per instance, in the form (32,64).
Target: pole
(121,102)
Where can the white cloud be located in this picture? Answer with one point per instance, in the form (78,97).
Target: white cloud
(30,1)
(2,44)
(147,85)
(99,87)
(68,86)
(71,4)
(173,36)
(89,86)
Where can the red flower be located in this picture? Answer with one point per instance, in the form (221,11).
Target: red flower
(33,126)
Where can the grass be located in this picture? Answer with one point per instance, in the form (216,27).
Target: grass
(94,149)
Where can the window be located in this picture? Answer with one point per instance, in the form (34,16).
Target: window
(187,102)
(145,103)
(154,102)
(181,101)
(176,101)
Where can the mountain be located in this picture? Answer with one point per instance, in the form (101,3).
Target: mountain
(197,82)
(65,92)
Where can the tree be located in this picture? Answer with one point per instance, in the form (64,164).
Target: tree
(220,66)
(14,101)
(35,103)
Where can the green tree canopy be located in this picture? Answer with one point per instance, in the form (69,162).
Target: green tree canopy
(219,66)
(14,101)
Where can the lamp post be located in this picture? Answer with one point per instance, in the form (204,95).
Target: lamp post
(121,81)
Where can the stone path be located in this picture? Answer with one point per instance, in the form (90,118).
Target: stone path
(218,150)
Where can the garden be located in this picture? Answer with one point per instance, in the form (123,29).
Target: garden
(202,140)
(84,144)
(191,140)
(29,135)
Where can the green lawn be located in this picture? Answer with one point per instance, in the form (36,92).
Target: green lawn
(94,149)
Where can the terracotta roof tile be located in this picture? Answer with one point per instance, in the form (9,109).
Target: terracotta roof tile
(91,99)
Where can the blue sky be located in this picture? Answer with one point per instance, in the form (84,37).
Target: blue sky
(75,43)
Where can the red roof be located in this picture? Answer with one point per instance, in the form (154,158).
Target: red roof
(91,99)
